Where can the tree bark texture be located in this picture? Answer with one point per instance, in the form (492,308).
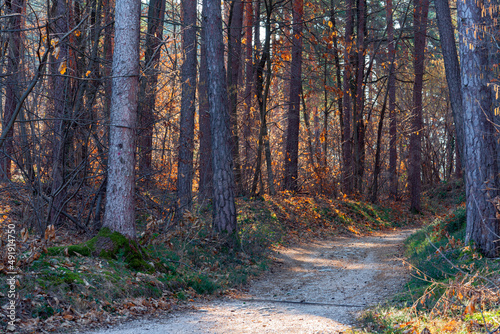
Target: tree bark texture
(393,153)
(15,8)
(60,95)
(249,80)
(481,165)
(347,172)
(120,214)
(147,95)
(292,138)
(358,117)
(186,132)
(415,150)
(206,174)
(452,69)
(262,89)
(224,209)
(233,73)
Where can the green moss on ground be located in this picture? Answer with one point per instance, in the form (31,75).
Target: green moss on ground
(109,245)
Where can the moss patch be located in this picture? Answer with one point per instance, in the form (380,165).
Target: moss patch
(109,245)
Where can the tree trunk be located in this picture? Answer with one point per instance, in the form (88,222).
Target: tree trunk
(206,174)
(347,172)
(481,165)
(264,111)
(15,8)
(60,96)
(224,209)
(358,119)
(415,150)
(338,70)
(292,138)
(249,79)
(147,94)
(393,153)
(452,69)
(186,133)
(262,92)
(120,215)
(233,73)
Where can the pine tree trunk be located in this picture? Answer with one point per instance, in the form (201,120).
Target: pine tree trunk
(15,8)
(147,93)
(249,117)
(233,73)
(452,69)
(224,212)
(206,174)
(186,133)
(292,137)
(393,153)
(481,165)
(415,150)
(347,172)
(60,95)
(358,120)
(120,214)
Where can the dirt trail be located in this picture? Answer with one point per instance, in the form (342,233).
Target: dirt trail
(316,287)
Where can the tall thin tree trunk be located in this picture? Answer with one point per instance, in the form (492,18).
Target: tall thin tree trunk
(206,174)
(60,95)
(452,70)
(393,153)
(415,150)
(224,209)
(262,90)
(347,170)
(186,133)
(147,93)
(120,214)
(358,119)
(248,123)
(338,72)
(15,10)
(233,72)
(292,137)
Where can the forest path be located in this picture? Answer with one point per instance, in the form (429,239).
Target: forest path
(315,287)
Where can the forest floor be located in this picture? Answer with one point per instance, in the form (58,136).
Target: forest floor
(304,264)
(314,287)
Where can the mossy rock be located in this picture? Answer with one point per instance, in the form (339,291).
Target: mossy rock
(109,245)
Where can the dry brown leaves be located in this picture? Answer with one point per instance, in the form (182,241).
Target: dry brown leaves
(104,314)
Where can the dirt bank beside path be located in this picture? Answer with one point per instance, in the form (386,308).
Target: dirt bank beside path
(316,287)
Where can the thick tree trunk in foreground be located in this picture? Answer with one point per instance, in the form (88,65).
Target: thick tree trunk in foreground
(292,137)
(452,70)
(415,154)
(186,132)
(481,165)
(224,209)
(120,213)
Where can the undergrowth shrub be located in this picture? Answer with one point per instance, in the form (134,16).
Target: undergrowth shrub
(452,288)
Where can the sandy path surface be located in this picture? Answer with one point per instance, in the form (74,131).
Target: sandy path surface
(316,287)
